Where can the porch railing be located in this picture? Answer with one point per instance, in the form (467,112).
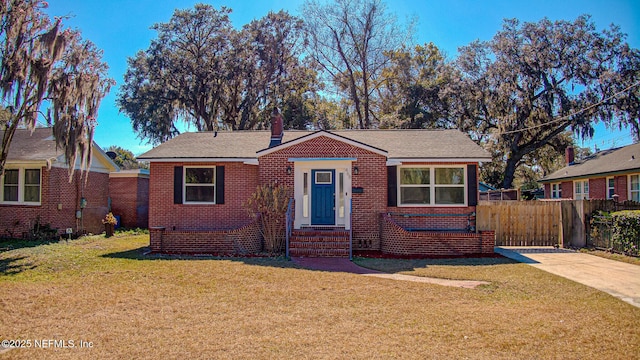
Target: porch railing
(288,225)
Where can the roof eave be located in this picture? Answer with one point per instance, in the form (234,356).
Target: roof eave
(319,133)
(438,159)
(198,159)
(587,176)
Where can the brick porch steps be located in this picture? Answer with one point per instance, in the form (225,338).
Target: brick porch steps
(319,243)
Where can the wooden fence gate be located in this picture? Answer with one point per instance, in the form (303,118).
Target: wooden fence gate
(521,223)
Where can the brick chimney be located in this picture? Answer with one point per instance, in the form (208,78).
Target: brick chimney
(277,128)
(569,155)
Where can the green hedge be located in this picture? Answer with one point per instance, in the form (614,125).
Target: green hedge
(626,231)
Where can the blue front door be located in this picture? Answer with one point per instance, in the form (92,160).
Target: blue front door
(323,198)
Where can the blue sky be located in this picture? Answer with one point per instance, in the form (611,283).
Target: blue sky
(122,27)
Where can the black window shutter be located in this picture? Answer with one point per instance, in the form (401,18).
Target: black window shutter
(392,186)
(472,185)
(219,184)
(177,185)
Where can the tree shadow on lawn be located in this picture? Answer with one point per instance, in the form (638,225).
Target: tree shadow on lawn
(395,265)
(389,265)
(143,254)
(14,265)
(14,244)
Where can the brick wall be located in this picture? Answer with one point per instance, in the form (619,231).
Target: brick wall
(130,198)
(244,240)
(397,241)
(372,177)
(621,187)
(59,202)
(240,182)
(567,189)
(598,188)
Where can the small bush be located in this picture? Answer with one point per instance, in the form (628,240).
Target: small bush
(626,231)
(269,205)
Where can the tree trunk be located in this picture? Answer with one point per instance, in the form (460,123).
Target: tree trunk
(509,172)
(6,142)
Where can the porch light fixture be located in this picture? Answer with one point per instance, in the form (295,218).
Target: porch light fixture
(288,170)
(356,171)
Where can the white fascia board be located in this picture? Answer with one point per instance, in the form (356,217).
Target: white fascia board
(249,161)
(400,161)
(25,163)
(320,159)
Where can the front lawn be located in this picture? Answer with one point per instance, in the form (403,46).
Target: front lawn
(104,291)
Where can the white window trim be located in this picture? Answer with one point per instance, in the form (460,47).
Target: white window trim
(557,193)
(583,195)
(609,197)
(432,186)
(630,191)
(184,186)
(21,187)
(306,165)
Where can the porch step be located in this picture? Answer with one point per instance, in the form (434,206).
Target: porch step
(319,243)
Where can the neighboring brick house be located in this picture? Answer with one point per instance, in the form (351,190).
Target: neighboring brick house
(380,186)
(36,187)
(606,174)
(129,192)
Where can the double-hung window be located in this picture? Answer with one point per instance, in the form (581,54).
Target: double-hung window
(21,186)
(200,185)
(611,187)
(581,190)
(556,191)
(432,186)
(634,188)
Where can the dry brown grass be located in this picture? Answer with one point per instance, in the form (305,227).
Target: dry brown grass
(613,256)
(103,291)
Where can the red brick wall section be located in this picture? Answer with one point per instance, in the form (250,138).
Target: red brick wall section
(567,189)
(458,221)
(240,182)
(598,188)
(130,200)
(395,240)
(621,188)
(372,178)
(245,240)
(59,202)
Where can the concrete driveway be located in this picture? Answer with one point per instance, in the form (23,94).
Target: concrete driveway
(619,279)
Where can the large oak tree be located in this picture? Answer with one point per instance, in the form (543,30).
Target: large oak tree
(203,72)
(533,81)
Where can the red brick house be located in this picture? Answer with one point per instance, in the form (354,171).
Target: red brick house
(403,192)
(603,175)
(36,188)
(129,192)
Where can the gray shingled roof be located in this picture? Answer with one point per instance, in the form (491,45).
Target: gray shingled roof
(399,144)
(618,160)
(26,146)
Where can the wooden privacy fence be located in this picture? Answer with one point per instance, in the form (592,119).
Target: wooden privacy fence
(521,223)
(542,222)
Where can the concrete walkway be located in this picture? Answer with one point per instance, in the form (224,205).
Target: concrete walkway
(619,279)
(344,265)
